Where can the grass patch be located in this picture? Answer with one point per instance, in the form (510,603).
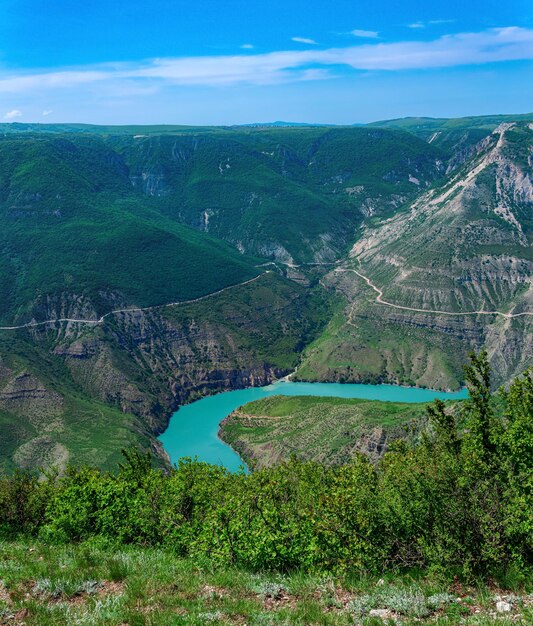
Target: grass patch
(50,586)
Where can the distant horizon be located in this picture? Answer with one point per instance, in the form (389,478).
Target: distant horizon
(268,123)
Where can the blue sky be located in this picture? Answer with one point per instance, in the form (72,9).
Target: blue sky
(237,61)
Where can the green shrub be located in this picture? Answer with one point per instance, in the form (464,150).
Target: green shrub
(23,502)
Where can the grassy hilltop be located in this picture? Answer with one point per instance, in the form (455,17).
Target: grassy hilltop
(328,430)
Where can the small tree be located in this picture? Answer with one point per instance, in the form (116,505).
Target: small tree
(482,426)
(517,460)
(137,465)
(445,425)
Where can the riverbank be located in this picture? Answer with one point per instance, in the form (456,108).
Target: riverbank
(193,430)
(331,431)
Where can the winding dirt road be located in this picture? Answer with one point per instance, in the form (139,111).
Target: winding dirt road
(380,300)
(132,310)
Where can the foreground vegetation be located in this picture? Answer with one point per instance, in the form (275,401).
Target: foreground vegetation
(460,500)
(115,548)
(95,583)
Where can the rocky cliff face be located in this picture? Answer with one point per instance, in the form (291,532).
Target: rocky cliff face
(469,242)
(465,247)
(36,413)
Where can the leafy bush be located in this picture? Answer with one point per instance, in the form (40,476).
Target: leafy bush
(23,502)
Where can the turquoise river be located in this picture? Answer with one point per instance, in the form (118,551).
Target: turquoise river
(193,429)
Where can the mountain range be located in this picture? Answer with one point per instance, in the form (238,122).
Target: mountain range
(141,267)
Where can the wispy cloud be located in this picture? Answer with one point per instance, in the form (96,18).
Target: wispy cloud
(429,23)
(47,112)
(311,42)
(367,34)
(247,46)
(11,115)
(490,46)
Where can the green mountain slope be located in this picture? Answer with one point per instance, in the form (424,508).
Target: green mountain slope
(465,247)
(425,126)
(76,242)
(294,195)
(456,137)
(290,194)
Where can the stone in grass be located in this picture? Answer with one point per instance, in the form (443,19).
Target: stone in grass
(503,607)
(383,613)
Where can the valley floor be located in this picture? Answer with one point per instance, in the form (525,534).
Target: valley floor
(93,584)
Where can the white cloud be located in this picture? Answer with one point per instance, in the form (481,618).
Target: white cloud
(311,42)
(47,112)
(421,24)
(11,115)
(368,34)
(247,46)
(56,79)
(489,46)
